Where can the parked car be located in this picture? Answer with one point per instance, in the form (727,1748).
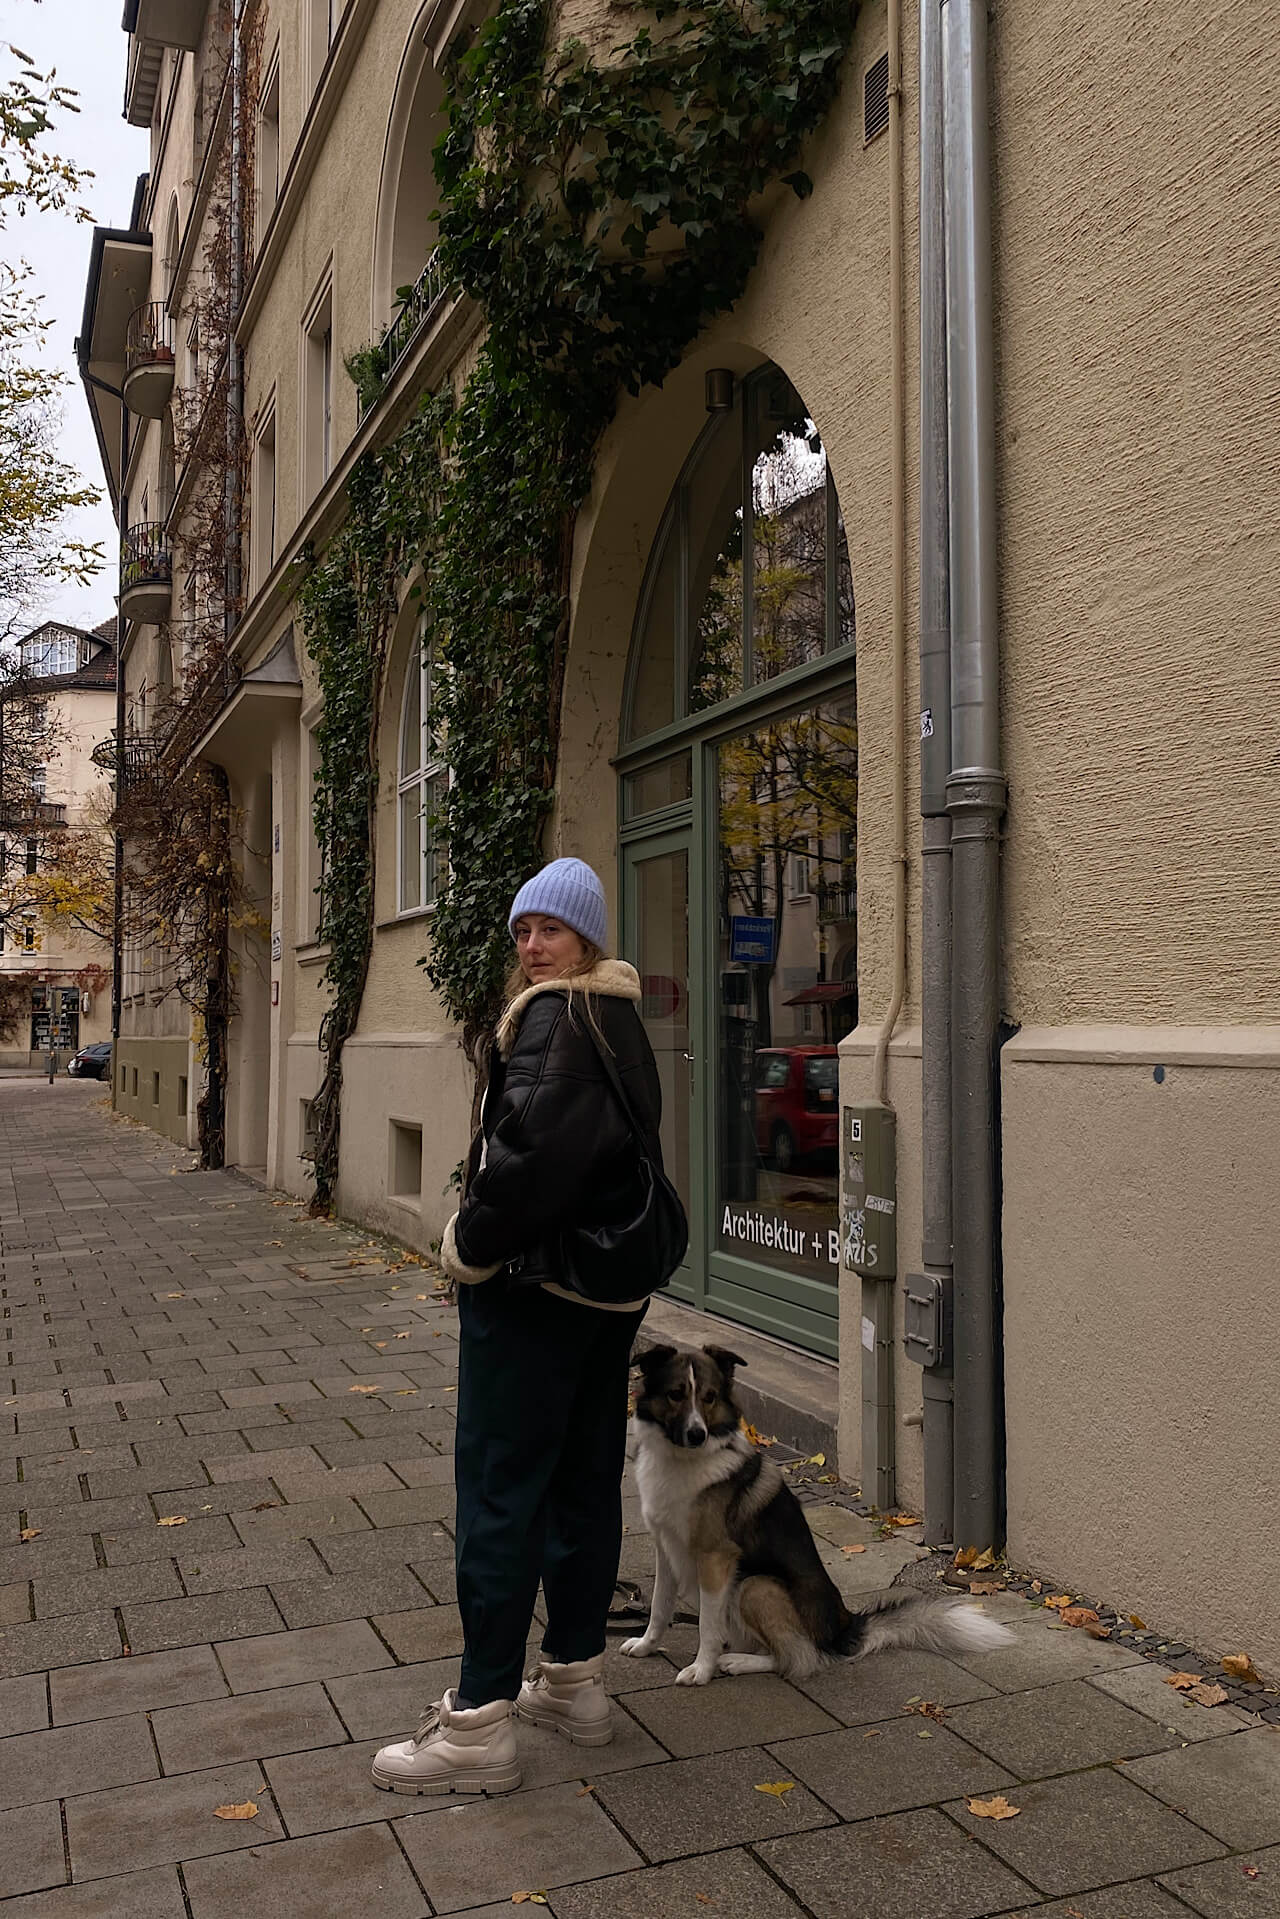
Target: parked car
(797,1103)
(91,1062)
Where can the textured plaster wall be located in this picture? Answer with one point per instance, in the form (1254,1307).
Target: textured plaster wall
(171,1058)
(1139,478)
(1142,1323)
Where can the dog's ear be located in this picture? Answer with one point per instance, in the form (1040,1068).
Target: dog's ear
(725,1360)
(652,1358)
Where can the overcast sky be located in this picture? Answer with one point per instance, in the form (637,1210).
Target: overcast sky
(82,39)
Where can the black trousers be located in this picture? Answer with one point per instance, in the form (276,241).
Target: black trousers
(542,1419)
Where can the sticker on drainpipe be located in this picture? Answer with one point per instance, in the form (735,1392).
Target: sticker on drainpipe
(868,1333)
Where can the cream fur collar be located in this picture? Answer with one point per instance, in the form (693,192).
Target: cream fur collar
(612,978)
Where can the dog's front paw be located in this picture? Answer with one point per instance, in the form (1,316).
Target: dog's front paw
(695,1675)
(642,1648)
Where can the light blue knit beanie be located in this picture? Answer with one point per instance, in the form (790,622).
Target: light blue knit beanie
(566,890)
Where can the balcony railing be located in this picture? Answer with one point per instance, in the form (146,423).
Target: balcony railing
(32,812)
(141,751)
(426,294)
(146,572)
(148,360)
(837,900)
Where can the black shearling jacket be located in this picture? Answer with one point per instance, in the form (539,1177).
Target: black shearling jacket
(554,1146)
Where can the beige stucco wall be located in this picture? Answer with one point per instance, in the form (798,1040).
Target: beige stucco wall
(1142,1322)
(137,1066)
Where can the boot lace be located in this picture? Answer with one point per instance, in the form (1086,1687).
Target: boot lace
(429,1723)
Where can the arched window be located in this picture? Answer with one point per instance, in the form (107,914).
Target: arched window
(404,232)
(423,781)
(734,600)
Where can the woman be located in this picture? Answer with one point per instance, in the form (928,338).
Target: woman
(542,1384)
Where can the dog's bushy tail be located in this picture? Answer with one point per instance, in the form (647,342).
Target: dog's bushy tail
(919,1622)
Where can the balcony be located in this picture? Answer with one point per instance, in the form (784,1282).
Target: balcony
(837,900)
(146,573)
(153,25)
(148,361)
(423,298)
(30,814)
(141,751)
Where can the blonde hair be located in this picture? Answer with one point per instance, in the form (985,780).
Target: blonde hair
(518,982)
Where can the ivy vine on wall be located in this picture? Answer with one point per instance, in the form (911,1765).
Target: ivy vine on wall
(601,208)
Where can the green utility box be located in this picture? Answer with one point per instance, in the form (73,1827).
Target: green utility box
(868,1190)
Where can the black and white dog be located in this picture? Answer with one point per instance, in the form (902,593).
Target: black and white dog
(727,1526)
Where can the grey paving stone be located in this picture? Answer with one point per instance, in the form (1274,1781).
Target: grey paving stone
(24,1705)
(131,1546)
(315,1602)
(694,1804)
(1140,1899)
(166,1820)
(250,1726)
(109,1586)
(415,1506)
(480,1853)
(71,1759)
(1227,1890)
(858,1692)
(137,1684)
(250,1566)
(133,1895)
(548,1760)
(1045,1653)
(385,1705)
(15,1605)
(1090,1829)
(118,1485)
(326,1482)
(58,1642)
(317,1519)
(290,1658)
(390,1545)
(431,1632)
(427,1469)
(717,1883)
(88,1515)
(865,1772)
(729,1712)
(1057,1729)
(358,1872)
(913,1866)
(1145,1689)
(255,1465)
(200,1501)
(31,1852)
(324,1790)
(257,1397)
(183,1622)
(1229,1786)
(440,1578)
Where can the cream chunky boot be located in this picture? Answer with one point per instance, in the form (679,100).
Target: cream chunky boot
(453,1751)
(569,1699)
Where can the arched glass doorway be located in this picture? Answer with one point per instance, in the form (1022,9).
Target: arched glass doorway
(738,833)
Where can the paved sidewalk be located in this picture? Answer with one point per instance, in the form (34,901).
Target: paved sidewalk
(226,1577)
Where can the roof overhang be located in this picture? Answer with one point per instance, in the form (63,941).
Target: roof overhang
(241,734)
(827,992)
(119,280)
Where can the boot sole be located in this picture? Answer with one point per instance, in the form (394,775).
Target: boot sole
(506,1780)
(578,1735)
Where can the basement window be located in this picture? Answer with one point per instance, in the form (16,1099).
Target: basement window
(404,1180)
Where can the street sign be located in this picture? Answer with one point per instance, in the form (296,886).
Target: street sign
(752,942)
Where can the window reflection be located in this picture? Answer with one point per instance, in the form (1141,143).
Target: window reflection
(787,818)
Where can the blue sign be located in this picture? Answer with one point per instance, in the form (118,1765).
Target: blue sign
(752,940)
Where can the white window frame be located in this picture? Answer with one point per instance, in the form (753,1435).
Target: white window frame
(317,395)
(268,144)
(266,494)
(430,767)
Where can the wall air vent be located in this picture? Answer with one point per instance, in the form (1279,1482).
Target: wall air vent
(875,100)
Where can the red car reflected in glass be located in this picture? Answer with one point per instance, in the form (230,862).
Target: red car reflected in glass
(797,1103)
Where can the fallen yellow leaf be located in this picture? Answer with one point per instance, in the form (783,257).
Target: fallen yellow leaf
(997,1807)
(966,1556)
(1207,1694)
(1139,1625)
(985,1558)
(1057,1600)
(30,1532)
(408,1335)
(1240,1666)
(174,1519)
(853,1549)
(1183,1681)
(777,1786)
(901,1519)
(245,1811)
(816,1459)
(528,1898)
(1078,1616)
(983,1588)
(363,1389)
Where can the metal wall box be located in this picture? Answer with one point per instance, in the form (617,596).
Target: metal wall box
(868,1190)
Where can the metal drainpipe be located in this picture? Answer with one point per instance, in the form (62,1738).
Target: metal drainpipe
(935,767)
(232,487)
(976,786)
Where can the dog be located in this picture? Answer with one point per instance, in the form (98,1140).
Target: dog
(726,1524)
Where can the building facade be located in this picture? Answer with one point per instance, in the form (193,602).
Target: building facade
(56,707)
(742,714)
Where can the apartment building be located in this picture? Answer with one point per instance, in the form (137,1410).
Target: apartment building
(1105,1121)
(57,708)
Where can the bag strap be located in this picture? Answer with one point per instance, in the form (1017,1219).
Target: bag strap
(614,1078)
